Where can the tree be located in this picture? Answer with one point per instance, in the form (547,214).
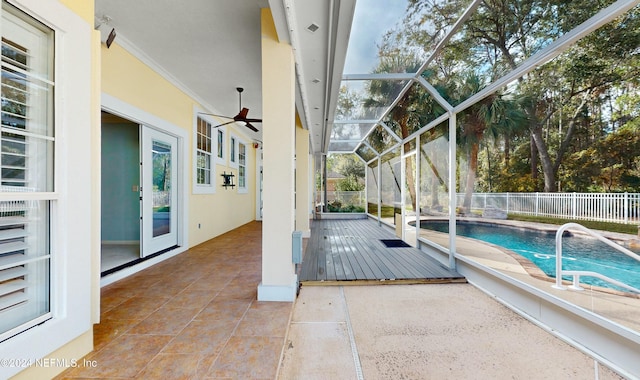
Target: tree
(347,108)
(349,166)
(563,93)
(493,115)
(611,164)
(405,117)
(569,105)
(432,143)
(570,90)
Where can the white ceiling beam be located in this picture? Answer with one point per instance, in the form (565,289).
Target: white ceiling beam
(379,76)
(342,13)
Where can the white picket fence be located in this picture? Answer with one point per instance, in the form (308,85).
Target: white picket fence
(606,207)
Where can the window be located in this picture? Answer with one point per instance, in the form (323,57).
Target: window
(204,172)
(232,151)
(203,153)
(242,168)
(26,172)
(220,144)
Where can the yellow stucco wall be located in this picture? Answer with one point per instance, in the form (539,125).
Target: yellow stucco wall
(83,8)
(226,209)
(127,78)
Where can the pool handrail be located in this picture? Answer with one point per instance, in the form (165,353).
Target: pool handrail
(576,274)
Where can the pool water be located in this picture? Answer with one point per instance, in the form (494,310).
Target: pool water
(578,253)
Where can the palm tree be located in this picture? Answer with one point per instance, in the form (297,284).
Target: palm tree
(494,115)
(414,110)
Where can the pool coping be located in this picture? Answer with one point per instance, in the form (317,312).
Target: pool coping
(532,269)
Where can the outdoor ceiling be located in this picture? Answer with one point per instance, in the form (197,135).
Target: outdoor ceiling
(208,48)
(344,87)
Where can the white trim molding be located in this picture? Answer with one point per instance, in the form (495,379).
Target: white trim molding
(196,187)
(120,108)
(282,293)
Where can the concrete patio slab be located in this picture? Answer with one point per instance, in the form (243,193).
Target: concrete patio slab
(318,345)
(424,332)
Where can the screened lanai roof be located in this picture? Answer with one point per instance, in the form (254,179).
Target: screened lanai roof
(404,57)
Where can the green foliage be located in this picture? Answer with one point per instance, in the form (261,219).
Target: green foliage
(611,164)
(601,226)
(336,206)
(571,103)
(347,104)
(350,183)
(349,166)
(388,211)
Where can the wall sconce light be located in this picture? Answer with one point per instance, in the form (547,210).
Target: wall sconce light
(112,36)
(228,180)
(106,38)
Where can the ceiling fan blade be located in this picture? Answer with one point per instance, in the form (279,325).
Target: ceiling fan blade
(213,114)
(242,115)
(228,122)
(248,125)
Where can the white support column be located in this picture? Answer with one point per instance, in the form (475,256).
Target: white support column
(311,187)
(418,189)
(279,280)
(303,203)
(452,190)
(379,190)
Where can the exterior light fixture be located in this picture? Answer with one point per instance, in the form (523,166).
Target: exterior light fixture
(112,36)
(105,20)
(228,180)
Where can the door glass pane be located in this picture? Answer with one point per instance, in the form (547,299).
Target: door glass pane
(161,157)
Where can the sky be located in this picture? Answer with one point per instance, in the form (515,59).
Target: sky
(371,20)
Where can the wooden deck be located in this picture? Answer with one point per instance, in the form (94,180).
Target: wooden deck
(351,252)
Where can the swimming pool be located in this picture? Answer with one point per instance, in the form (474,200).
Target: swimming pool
(578,253)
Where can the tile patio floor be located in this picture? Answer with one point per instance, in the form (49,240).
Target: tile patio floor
(194,316)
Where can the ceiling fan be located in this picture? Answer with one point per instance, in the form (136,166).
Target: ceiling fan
(240,117)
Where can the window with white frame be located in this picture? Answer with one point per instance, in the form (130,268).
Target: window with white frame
(242,168)
(233,151)
(233,156)
(220,145)
(26,172)
(204,153)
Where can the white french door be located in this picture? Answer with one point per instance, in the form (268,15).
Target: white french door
(159,192)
